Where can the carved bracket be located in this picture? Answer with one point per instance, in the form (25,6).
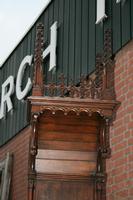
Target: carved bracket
(100,177)
(34,143)
(33,153)
(104,142)
(106,151)
(100,186)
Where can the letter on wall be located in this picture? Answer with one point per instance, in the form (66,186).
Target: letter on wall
(7,91)
(51,49)
(100,11)
(19,93)
(118,1)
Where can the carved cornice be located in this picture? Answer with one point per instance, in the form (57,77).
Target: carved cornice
(65,177)
(104,107)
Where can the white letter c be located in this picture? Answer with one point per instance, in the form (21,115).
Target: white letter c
(19,93)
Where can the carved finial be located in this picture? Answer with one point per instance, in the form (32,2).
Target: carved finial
(38,88)
(82,86)
(62,85)
(105,68)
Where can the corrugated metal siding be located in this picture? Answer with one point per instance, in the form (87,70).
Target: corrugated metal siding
(79,40)
(121,24)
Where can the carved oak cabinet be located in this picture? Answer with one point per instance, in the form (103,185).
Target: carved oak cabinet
(58,101)
(70,133)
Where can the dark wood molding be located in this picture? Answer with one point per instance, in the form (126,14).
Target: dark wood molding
(33,153)
(106,151)
(34,144)
(43,176)
(103,107)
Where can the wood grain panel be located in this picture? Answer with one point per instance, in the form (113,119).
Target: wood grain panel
(70,119)
(64,190)
(60,145)
(67,128)
(66,155)
(65,167)
(60,136)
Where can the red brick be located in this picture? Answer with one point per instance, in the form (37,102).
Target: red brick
(131,191)
(117,139)
(130,141)
(121,177)
(120,165)
(19,146)
(120,146)
(123,193)
(130,125)
(118,170)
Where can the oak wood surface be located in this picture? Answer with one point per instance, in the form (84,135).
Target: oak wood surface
(65,167)
(62,190)
(66,155)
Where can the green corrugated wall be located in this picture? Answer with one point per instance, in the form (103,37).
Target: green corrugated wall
(79,40)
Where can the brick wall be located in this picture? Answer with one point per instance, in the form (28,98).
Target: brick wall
(19,146)
(120,165)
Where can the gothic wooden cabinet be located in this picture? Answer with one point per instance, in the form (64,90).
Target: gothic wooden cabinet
(70,131)
(67,156)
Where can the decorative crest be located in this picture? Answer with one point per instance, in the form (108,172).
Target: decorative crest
(87,88)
